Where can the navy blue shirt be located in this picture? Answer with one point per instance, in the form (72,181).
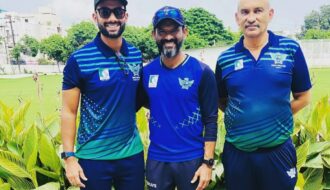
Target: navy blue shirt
(182,102)
(258,112)
(108,84)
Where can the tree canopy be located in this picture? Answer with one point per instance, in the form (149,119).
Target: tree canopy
(317,24)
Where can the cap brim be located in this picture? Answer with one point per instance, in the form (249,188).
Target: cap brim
(170,18)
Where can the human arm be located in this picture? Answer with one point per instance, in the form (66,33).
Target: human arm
(300,100)
(70,103)
(222,91)
(208,99)
(301,83)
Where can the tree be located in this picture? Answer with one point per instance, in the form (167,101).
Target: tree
(56,47)
(316,24)
(16,54)
(142,39)
(80,34)
(317,34)
(206,26)
(193,41)
(31,45)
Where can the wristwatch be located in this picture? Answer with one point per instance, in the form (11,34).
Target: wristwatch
(65,155)
(209,162)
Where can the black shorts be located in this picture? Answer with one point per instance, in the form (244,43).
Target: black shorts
(171,175)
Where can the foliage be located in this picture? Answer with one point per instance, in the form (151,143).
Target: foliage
(44,61)
(56,47)
(141,38)
(194,42)
(312,139)
(317,22)
(206,26)
(28,153)
(31,46)
(317,34)
(80,34)
(16,54)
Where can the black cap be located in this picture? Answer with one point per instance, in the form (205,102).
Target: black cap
(168,12)
(124,2)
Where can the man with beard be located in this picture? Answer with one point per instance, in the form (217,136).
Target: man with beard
(182,98)
(103,76)
(255,79)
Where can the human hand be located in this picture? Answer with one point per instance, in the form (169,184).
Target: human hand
(204,174)
(74,172)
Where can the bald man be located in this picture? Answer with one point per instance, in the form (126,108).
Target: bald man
(255,79)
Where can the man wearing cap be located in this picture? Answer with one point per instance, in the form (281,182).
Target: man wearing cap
(103,77)
(256,78)
(182,98)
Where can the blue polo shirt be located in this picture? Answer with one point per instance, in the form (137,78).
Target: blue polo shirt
(258,113)
(108,84)
(183,102)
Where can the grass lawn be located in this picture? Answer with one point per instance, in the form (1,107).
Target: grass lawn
(49,101)
(12,91)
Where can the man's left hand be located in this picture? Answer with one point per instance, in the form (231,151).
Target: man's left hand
(204,173)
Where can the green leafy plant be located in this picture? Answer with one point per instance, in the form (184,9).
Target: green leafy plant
(28,154)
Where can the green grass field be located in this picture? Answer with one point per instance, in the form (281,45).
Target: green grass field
(12,91)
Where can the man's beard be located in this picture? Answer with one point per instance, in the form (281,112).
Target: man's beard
(103,30)
(169,53)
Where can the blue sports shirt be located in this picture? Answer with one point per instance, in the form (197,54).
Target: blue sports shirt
(258,112)
(182,102)
(108,84)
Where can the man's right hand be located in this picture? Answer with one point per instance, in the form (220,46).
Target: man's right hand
(74,172)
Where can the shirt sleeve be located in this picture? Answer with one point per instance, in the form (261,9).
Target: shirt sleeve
(141,95)
(71,74)
(208,99)
(222,91)
(300,76)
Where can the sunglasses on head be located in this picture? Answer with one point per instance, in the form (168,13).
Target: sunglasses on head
(105,12)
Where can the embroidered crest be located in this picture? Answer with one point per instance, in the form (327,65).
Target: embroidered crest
(135,69)
(278,60)
(291,173)
(153,81)
(186,83)
(104,74)
(239,64)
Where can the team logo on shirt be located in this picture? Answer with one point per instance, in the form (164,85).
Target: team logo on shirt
(185,83)
(153,81)
(135,69)
(278,60)
(104,74)
(291,173)
(239,64)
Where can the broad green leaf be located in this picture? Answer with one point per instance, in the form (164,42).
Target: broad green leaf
(47,173)
(13,164)
(73,188)
(20,183)
(315,162)
(302,151)
(49,186)
(5,186)
(47,154)
(52,127)
(316,148)
(313,179)
(20,113)
(30,148)
(13,147)
(300,182)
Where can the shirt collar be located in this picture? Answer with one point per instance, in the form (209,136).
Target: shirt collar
(273,40)
(106,50)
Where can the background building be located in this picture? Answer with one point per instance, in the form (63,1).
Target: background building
(13,26)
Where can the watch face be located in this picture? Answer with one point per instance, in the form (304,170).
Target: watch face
(209,162)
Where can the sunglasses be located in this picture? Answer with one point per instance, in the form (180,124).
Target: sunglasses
(105,12)
(122,63)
